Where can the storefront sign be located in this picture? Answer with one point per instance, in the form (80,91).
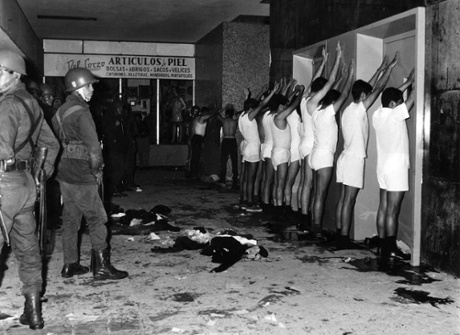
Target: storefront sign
(113,66)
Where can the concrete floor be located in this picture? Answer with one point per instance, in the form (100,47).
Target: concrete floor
(302,287)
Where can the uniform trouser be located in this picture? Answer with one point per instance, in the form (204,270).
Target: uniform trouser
(130,163)
(115,169)
(228,148)
(143,151)
(19,193)
(82,201)
(197,143)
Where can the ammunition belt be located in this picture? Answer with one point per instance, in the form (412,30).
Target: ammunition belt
(18,165)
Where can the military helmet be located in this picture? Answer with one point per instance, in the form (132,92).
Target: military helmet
(13,61)
(46,89)
(77,78)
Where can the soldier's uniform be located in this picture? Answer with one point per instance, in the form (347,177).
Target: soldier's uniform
(22,128)
(79,171)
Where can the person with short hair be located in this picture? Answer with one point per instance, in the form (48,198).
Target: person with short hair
(228,146)
(322,108)
(306,145)
(199,124)
(392,139)
(281,153)
(350,164)
(250,150)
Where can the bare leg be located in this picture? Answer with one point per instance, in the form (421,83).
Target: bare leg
(350,195)
(268,180)
(394,201)
(290,179)
(306,186)
(281,173)
(295,204)
(339,207)
(258,181)
(381,214)
(322,181)
(244,183)
(251,178)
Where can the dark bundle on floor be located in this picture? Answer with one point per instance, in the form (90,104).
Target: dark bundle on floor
(142,222)
(228,250)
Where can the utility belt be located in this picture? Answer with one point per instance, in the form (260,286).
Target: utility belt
(75,150)
(16,165)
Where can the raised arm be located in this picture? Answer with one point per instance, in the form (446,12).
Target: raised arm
(263,90)
(342,77)
(381,83)
(298,92)
(206,117)
(377,73)
(314,101)
(408,82)
(411,98)
(346,89)
(318,72)
(288,88)
(291,89)
(252,114)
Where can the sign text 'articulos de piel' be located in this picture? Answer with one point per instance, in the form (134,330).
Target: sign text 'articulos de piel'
(112,66)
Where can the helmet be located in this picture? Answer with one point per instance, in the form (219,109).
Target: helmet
(13,61)
(46,89)
(77,78)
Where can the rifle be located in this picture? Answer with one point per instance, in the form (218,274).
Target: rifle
(3,228)
(40,180)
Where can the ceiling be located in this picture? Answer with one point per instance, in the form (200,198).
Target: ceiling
(166,21)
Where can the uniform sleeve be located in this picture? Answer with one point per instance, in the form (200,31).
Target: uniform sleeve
(91,141)
(9,124)
(46,139)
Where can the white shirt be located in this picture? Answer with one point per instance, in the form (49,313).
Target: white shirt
(325,130)
(392,137)
(307,137)
(267,119)
(355,130)
(248,128)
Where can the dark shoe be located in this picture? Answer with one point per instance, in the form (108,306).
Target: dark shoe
(344,243)
(253,209)
(73,269)
(102,269)
(32,315)
(399,255)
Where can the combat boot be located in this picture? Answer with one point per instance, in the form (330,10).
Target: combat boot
(73,269)
(102,269)
(32,315)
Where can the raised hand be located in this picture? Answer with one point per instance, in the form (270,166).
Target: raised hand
(324,54)
(338,49)
(411,77)
(277,87)
(351,67)
(395,60)
(384,63)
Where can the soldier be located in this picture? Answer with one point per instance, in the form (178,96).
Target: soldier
(79,174)
(22,129)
